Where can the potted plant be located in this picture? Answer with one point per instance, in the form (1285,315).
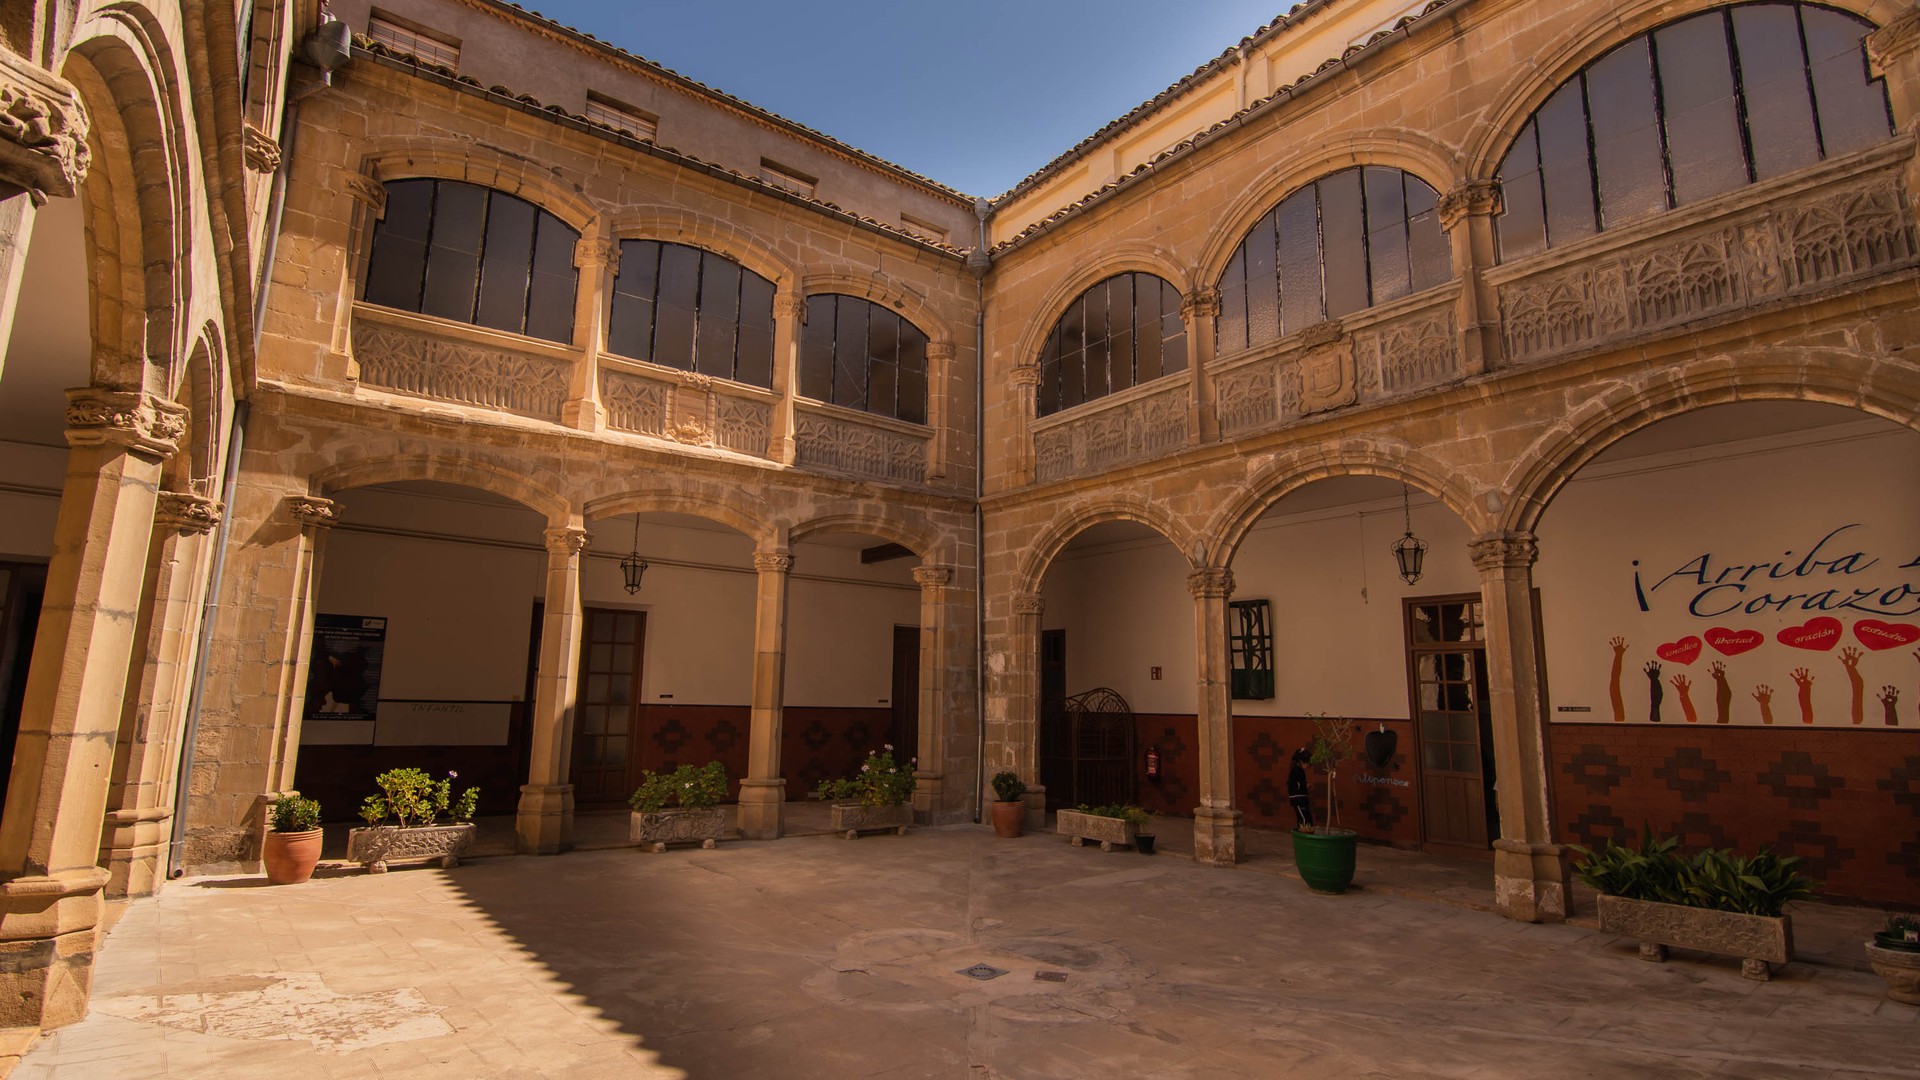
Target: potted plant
(1142,823)
(1108,825)
(1894,954)
(1009,813)
(1325,854)
(415,801)
(874,797)
(1715,901)
(292,846)
(680,806)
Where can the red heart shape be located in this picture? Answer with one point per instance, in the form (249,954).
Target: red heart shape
(1684,651)
(1818,635)
(1877,635)
(1734,642)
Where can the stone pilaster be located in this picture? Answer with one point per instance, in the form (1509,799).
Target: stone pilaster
(1200,311)
(50,882)
(1023,386)
(544,823)
(1023,704)
(928,775)
(763,794)
(1467,213)
(939,377)
(1530,873)
(1216,824)
(598,260)
(789,323)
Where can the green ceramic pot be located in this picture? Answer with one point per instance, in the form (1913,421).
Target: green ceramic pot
(1325,858)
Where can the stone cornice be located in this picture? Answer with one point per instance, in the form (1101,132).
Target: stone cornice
(567,541)
(778,562)
(187,512)
(1504,551)
(43,130)
(314,512)
(932,577)
(1475,198)
(130,418)
(1212,582)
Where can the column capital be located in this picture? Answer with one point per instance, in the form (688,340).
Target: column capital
(1201,303)
(187,512)
(312,511)
(939,350)
(778,562)
(43,130)
(1475,198)
(1024,375)
(1894,42)
(366,190)
(134,419)
(567,540)
(932,577)
(1504,551)
(1029,604)
(261,150)
(1211,582)
(788,304)
(591,251)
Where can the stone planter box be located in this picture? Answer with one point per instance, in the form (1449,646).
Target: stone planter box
(851,819)
(376,847)
(1756,939)
(1900,968)
(1079,828)
(653,832)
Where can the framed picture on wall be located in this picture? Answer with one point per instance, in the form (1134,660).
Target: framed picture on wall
(343,674)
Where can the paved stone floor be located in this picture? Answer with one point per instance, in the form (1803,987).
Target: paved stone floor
(820,957)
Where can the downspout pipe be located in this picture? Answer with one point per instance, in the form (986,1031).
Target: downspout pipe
(978,263)
(325,48)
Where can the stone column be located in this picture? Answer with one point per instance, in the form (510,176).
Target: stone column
(133,847)
(1216,824)
(598,260)
(763,794)
(50,882)
(316,517)
(1023,703)
(930,775)
(43,152)
(1529,870)
(544,823)
(789,322)
(1199,311)
(1023,387)
(1467,214)
(939,378)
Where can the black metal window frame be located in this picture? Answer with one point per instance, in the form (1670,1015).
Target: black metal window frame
(1250,649)
(1384,252)
(1067,371)
(1527,225)
(454,250)
(689,308)
(862,355)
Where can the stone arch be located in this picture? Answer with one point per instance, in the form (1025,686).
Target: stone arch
(391,159)
(872,285)
(1820,376)
(1514,103)
(1283,475)
(682,226)
(874,521)
(1042,552)
(743,513)
(1108,261)
(201,388)
(1413,152)
(505,481)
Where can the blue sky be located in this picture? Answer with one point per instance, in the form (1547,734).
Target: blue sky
(974,94)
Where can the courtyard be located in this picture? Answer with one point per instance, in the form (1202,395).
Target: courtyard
(819,957)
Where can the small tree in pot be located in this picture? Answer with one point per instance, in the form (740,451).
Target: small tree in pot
(292,847)
(1009,813)
(1325,854)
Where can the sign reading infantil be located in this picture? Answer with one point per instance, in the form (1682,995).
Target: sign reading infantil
(343,674)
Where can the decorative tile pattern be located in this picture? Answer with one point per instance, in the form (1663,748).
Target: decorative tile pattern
(1384,808)
(1596,770)
(1692,774)
(671,735)
(1802,781)
(1270,798)
(1266,750)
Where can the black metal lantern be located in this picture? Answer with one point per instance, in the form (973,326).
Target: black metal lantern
(633,566)
(1409,551)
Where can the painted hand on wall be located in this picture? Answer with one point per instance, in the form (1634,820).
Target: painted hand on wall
(1764,695)
(1850,659)
(1683,684)
(1614,696)
(1654,691)
(1889,697)
(1722,694)
(1804,680)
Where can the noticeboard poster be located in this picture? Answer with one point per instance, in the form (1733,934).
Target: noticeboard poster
(343,675)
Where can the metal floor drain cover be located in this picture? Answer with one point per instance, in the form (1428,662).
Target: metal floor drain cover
(983,972)
(1050,976)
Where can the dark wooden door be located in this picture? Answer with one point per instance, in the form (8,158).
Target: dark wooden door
(608,713)
(1447,661)
(22,586)
(1056,751)
(905,731)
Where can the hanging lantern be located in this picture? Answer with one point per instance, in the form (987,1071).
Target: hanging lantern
(633,566)
(1409,551)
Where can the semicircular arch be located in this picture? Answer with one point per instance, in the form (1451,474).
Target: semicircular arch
(1136,257)
(678,225)
(506,481)
(876,521)
(395,160)
(1083,516)
(869,286)
(743,513)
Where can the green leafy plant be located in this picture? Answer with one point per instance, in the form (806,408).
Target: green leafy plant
(1136,816)
(292,813)
(1007,786)
(1332,743)
(880,781)
(1902,925)
(416,800)
(692,787)
(1761,884)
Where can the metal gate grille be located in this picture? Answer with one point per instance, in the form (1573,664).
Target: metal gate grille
(1086,750)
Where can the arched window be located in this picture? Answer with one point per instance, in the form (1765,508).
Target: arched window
(1347,241)
(460,251)
(1696,108)
(1122,332)
(863,356)
(692,309)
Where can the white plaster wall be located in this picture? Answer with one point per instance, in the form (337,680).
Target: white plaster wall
(30,480)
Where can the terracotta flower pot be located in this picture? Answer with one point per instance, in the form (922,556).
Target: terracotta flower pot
(290,856)
(1009,819)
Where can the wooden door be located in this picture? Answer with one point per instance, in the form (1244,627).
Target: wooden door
(905,730)
(607,716)
(22,586)
(1447,661)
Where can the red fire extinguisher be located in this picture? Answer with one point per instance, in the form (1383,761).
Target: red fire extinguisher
(1153,763)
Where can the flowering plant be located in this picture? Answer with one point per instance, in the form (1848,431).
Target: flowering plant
(691,787)
(880,781)
(417,799)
